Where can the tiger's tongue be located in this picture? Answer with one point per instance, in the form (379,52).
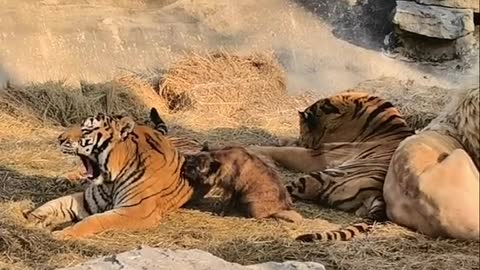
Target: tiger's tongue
(89,169)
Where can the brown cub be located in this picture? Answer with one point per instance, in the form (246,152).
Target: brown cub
(249,185)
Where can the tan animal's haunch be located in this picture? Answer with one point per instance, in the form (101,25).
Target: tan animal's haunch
(346,142)
(432,184)
(137,173)
(249,184)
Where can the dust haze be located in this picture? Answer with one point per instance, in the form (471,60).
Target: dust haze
(96,40)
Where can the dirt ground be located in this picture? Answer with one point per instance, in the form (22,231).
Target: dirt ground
(76,40)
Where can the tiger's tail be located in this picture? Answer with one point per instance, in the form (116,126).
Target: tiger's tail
(344,234)
(158,122)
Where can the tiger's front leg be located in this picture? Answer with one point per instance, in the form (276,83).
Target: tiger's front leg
(65,209)
(117,219)
(291,157)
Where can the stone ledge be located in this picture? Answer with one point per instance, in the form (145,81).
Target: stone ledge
(433,21)
(147,258)
(467,4)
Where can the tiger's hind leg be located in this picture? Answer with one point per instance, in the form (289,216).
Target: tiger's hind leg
(343,188)
(59,211)
(373,208)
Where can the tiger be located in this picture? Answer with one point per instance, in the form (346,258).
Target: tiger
(138,180)
(70,137)
(345,145)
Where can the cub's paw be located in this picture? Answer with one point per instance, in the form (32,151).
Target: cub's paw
(284,141)
(72,178)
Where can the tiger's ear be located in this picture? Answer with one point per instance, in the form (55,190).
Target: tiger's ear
(327,107)
(308,118)
(125,127)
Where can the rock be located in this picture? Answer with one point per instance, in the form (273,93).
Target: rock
(147,258)
(433,21)
(288,265)
(468,4)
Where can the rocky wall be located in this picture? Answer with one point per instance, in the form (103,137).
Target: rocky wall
(435,30)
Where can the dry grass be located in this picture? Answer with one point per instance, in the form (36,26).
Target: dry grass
(30,162)
(57,103)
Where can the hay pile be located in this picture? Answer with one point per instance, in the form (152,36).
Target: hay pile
(222,82)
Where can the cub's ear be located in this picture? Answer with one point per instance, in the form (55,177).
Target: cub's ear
(205,147)
(125,126)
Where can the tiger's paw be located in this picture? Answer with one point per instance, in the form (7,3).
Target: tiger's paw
(38,218)
(66,234)
(60,235)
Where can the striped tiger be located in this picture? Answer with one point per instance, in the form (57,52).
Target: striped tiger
(70,138)
(138,180)
(345,145)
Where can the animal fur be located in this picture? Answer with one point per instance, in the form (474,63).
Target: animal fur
(432,184)
(249,185)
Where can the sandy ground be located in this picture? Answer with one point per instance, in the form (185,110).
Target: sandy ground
(94,40)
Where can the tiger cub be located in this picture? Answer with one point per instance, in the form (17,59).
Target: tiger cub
(345,145)
(249,185)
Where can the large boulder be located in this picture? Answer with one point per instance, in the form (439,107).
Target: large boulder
(433,21)
(468,4)
(147,258)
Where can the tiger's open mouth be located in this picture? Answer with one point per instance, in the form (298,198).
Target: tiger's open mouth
(93,170)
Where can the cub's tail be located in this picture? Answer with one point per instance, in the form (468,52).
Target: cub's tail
(343,234)
(289,215)
(158,122)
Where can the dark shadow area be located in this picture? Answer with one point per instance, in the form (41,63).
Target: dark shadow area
(15,186)
(28,246)
(362,23)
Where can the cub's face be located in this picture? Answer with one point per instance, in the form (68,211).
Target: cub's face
(201,168)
